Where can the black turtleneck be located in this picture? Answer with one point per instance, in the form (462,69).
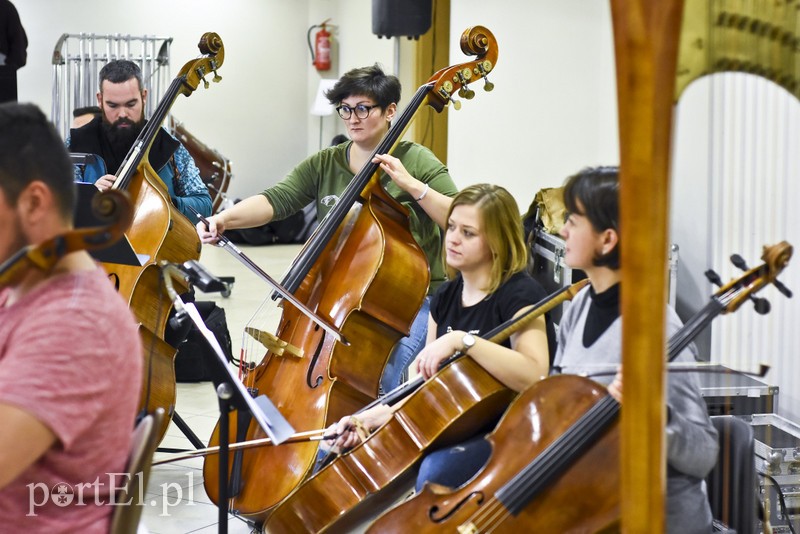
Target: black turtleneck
(603,311)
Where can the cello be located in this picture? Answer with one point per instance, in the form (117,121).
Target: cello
(555,463)
(450,407)
(353,272)
(112,207)
(159,232)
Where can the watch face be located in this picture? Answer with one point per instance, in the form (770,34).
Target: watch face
(468,340)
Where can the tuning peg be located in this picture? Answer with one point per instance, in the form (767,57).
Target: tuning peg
(739,262)
(456,103)
(782,288)
(205,83)
(217,77)
(487,85)
(761,305)
(466,92)
(713,277)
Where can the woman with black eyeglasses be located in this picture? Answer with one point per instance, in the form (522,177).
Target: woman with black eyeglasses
(366,100)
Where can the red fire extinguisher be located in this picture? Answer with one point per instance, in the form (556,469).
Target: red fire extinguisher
(321,52)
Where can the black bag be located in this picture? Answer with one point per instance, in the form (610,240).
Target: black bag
(195,361)
(294,229)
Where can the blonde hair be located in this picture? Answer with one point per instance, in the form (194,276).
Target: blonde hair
(501,227)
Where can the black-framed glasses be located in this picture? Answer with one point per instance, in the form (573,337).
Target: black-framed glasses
(361,111)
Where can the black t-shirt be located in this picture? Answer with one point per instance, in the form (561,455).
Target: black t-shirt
(518,292)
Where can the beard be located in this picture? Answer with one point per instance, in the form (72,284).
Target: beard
(120,135)
(17,242)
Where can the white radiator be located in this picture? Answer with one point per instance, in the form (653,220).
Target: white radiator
(736,187)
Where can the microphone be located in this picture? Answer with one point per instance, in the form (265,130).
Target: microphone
(191,272)
(201,277)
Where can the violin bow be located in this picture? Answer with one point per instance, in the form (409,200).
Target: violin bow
(496,335)
(226,244)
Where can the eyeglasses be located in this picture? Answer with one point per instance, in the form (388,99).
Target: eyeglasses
(361,111)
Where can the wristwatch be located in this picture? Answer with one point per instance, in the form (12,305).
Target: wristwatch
(468,341)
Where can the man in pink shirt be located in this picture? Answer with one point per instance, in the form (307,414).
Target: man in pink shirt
(70,356)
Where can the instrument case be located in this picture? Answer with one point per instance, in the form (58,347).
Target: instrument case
(777,449)
(546,265)
(728,392)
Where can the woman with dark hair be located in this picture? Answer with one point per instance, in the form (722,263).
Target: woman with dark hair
(486,255)
(590,333)
(366,100)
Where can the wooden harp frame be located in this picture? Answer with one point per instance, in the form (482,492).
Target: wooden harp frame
(647,39)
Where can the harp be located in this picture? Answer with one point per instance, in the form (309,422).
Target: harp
(759,37)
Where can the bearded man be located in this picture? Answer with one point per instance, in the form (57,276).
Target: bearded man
(110,136)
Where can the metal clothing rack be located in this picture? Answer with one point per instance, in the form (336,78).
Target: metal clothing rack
(78,58)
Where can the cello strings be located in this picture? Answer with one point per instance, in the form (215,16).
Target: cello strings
(549,463)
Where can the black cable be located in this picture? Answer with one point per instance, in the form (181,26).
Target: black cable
(781,500)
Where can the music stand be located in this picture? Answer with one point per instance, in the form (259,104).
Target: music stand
(120,252)
(82,159)
(231,394)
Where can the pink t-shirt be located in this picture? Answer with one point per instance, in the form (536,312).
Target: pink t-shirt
(70,356)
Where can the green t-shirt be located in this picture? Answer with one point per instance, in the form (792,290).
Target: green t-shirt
(323,176)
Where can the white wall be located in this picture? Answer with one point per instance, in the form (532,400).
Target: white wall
(553,109)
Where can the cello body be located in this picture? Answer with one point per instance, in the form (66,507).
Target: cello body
(579,500)
(451,407)
(356,286)
(160,232)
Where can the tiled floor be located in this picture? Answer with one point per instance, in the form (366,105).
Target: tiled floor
(176,499)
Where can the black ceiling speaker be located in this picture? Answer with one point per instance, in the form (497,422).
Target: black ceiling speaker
(393,18)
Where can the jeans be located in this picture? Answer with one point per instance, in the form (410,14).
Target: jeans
(453,466)
(406,350)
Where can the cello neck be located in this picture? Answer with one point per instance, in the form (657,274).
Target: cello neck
(327,228)
(437,92)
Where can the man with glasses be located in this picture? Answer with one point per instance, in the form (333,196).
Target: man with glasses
(366,100)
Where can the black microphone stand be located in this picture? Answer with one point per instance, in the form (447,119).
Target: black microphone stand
(231,394)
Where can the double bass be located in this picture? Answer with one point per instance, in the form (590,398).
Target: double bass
(555,463)
(363,273)
(159,232)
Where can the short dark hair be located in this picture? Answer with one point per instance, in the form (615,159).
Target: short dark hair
(120,71)
(383,88)
(597,191)
(87,110)
(338,139)
(31,149)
